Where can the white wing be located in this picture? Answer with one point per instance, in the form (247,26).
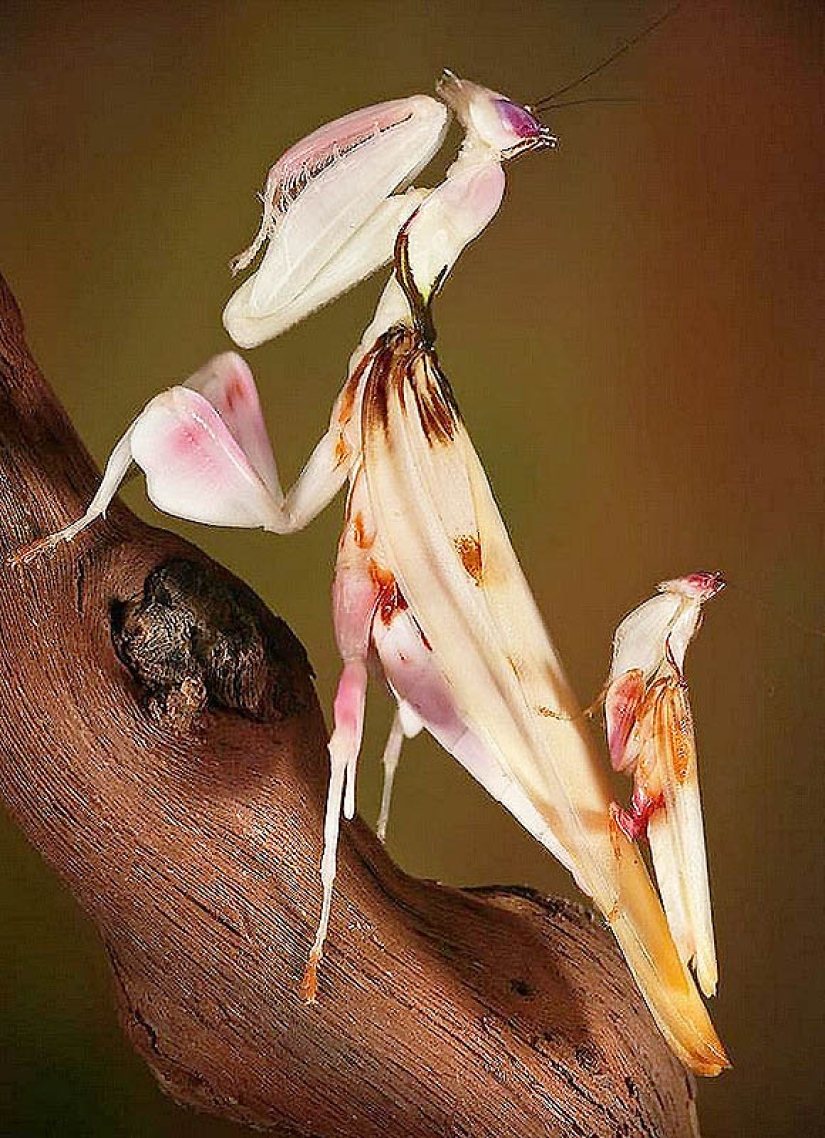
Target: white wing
(452,557)
(677,836)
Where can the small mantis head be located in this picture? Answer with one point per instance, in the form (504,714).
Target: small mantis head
(492,119)
(699,586)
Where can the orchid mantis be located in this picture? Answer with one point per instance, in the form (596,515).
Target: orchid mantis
(650,737)
(427,589)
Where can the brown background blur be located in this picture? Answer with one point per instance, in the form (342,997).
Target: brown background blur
(636,344)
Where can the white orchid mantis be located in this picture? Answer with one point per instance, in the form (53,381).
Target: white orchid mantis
(650,736)
(427,589)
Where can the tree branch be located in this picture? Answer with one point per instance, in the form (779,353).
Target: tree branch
(163,748)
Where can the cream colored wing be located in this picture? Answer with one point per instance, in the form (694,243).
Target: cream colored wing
(450,552)
(677,836)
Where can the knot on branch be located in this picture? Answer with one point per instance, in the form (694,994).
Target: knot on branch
(197,636)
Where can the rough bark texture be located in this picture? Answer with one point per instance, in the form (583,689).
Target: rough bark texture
(163,748)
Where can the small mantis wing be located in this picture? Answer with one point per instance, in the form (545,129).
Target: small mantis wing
(677,836)
(325,189)
(452,557)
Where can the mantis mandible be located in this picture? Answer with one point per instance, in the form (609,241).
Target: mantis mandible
(427,587)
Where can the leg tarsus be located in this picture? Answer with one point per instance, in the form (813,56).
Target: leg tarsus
(308,989)
(44,546)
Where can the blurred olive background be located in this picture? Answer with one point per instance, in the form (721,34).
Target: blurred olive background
(636,346)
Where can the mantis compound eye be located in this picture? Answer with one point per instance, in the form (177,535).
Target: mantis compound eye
(519,120)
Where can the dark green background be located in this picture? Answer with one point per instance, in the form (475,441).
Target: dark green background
(637,347)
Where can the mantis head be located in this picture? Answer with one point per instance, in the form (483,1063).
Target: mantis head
(493,120)
(699,586)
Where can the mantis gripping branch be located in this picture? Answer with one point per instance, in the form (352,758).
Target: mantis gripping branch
(426,581)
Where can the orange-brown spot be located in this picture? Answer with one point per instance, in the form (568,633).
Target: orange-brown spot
(362,539)
(392,602)
(342,450)
(682,747)
(348,398)
(233,394)
(546,712)
(381,578)
(390,598)
(616,835)
(468,548)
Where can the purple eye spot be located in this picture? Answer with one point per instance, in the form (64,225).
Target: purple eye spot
(517,119)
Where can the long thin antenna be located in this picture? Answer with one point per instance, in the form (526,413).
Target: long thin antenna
(763,602)
(596,99)
(542,104)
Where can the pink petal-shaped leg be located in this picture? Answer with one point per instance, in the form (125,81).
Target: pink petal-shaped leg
(621,707)
(194,467)
(205,452)
(227,383)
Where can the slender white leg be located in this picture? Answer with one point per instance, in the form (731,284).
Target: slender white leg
(116,469)
(343,756)
(392,753)
(323,476)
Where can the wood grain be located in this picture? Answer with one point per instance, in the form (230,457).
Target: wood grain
(162,747)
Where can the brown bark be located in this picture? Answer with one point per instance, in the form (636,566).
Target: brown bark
(163,748)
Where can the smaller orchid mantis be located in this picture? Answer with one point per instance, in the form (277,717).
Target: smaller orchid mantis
(650,737)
